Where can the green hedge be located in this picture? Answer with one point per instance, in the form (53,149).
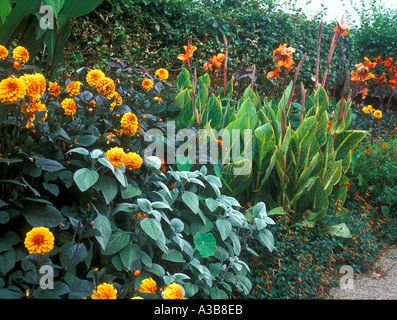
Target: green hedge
(152,33)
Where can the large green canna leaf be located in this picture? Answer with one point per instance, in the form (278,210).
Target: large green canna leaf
(203,92)
(249,113)
(322,128)
(334,178)
(308,170)
(236,181)
(5,9)
(284,101)
(320,203)
(347,141)
(321,101)
(17,20)
(76,8)
(183,101)
(212,113)
(55,40)
(249,93)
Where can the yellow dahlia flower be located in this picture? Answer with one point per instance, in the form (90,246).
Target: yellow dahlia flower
(69,106)
(133,161)
(129,123)
(54,88)
(12,90)
(104,291)
(116,156)
(377,114)
(173,291)
(35,85)
(20,54)
(147,84)
(3,52)
(35,107)
(73,88)
(39,240)
(137,298)
(366,110)
(94,76)
(117,100)
(148,286)
(162,74)
(106,87)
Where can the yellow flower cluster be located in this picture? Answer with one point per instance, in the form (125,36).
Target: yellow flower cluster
(369,109)
(171,292)
(147,84)
(30,111)
(117,157)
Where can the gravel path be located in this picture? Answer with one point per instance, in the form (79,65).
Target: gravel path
(381,285)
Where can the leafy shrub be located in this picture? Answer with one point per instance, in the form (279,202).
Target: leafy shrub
(305,263)
(72,162)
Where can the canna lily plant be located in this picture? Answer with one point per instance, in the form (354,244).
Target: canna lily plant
(301,152)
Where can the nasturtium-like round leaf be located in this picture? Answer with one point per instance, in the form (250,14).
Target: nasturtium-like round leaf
(205,243)
(85,178)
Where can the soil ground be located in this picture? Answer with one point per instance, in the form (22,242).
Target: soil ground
(380,284)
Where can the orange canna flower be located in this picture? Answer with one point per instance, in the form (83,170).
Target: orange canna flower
(341,28)
(378,60)
(273,74)
(282,50)
(381,79)
(217,60)
(189,49)
(392,83)
(367,64)
(208,66)
(388,62)
(287,64)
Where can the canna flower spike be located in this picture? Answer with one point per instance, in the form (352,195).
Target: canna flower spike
(187,57)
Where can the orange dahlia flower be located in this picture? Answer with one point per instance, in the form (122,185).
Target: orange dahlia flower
(94,76)
(116,156)
(69,106)
(73,88)
(20,54)
(104,291)
(133,161)
(129,124)
(147,84)
(12,90)
(173,291)
(3,52)
(39,240)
